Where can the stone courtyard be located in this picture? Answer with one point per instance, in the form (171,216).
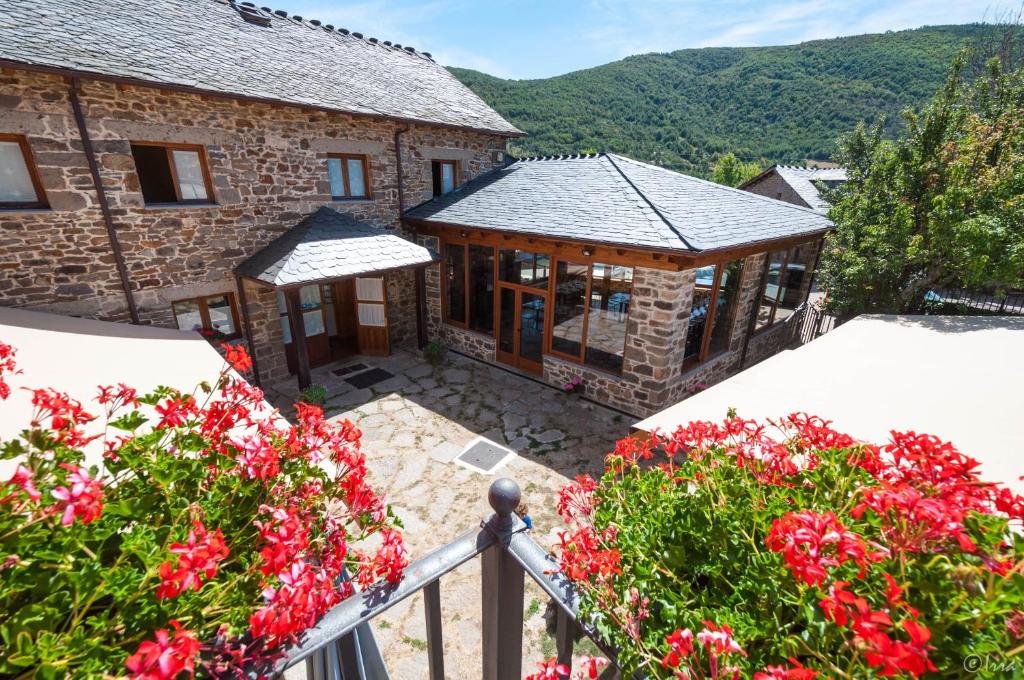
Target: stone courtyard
(414,424)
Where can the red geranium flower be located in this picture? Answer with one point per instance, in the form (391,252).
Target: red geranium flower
(84,498)
(167,657)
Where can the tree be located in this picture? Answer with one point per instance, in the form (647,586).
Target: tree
(942,205)
(733,172)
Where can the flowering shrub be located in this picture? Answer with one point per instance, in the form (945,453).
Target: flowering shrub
(209,539)
(574,386)
(789,550)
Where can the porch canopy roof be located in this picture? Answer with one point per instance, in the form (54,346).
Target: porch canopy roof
(613,200)
(329,245)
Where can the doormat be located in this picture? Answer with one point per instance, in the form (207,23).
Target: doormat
(368,378)
(351,368)
(483,455)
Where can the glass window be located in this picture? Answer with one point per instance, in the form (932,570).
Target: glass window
(445,176)
(524,268)
(221,316)
(215,313)
(770,290)
(610,294)
(171,174)
(481,288)
(371,289)
(187,314)
(356,178)
(337,177)
(16,185)
(700,309)
(570,308)
(507,327)
(455,282)
(347,175)
(191,182)
(726,307)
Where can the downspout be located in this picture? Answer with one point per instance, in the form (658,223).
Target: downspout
(101,195)
(421,301)
(247,322)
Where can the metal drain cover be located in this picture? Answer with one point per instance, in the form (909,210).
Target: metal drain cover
(484,456)
(351,368)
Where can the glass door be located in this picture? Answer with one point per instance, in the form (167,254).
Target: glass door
(521,318)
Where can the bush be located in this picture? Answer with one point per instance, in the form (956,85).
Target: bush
(435,351)
(209,539)
(790,550)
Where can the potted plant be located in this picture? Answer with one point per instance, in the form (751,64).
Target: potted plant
(435,352)
(315,395)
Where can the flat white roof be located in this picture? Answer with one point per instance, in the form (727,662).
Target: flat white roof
(77,355)
(958,378)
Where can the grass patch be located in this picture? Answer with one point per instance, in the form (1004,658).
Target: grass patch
(383,624)
(533,608)
(415,643)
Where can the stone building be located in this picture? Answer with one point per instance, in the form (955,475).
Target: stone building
(799,186)
(149,148)
(317,194)
(643,283)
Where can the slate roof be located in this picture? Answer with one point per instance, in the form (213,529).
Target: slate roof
(803,181)
(208,45)
(328,245)
(618,201)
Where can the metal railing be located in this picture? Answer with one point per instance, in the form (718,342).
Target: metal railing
(341,646)
(971,303)
(814,322)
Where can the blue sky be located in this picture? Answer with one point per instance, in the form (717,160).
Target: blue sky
(537,39)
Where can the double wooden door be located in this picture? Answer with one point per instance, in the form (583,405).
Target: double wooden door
(521,316)
(339,319)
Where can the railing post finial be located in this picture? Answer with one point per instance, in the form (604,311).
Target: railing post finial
(504,496)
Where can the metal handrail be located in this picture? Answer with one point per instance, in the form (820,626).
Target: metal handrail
(335,646)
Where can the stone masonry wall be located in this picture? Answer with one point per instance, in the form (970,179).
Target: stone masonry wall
(775,187)
(267,165)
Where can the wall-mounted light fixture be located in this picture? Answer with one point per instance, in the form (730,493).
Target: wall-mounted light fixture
(464,234)
(587,252)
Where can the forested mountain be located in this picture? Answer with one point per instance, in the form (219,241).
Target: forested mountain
(682,109)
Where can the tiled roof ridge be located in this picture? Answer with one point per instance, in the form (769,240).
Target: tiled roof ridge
(691,178)
(316,24)
(668,223)
(560,157)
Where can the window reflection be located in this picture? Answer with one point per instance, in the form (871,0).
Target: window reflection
(700,310)
(524,268)
(569,308)
(725,307)
(481,288)
(610,294)
(455,272)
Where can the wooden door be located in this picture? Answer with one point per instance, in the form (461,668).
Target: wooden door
(522,313)
(372,316)
(314,322)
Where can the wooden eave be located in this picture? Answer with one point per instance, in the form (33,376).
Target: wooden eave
(633,256)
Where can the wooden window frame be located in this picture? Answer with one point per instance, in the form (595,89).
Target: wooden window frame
(41,201)
(204,165)
(456,168)
(547,292)
(705,341)
(345,158)
(204,312)
(783,271)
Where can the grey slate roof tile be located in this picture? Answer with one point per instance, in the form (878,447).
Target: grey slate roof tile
(804,182)
(616,200)
(206,44)
(329,244)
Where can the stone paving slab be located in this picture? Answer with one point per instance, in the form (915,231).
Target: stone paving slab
(412,429)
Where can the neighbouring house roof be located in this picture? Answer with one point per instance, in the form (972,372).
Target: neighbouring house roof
(804,182)
(208,45)
(944,375)
(615,200)
(331,245)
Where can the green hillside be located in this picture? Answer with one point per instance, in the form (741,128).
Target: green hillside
(782,104)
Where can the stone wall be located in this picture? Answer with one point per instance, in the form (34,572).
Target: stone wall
(773,186)
(268,169)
